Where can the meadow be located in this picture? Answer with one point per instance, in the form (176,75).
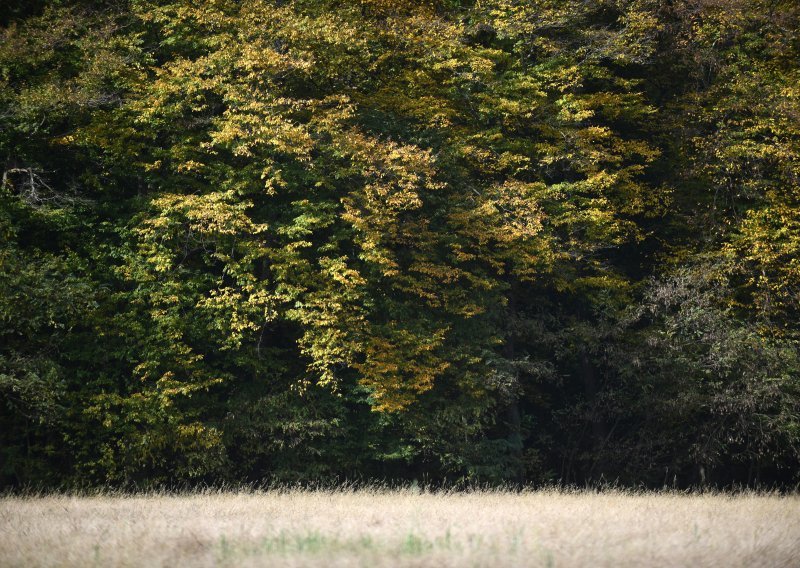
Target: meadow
(401,528)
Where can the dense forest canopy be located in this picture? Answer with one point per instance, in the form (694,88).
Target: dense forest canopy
(462,241)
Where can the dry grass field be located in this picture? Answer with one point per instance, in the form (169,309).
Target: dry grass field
(401,528)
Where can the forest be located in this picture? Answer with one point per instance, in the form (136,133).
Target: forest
(500,242)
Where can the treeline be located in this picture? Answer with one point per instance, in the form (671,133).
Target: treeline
(494,241)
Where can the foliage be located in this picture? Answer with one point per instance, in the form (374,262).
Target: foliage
(488,241)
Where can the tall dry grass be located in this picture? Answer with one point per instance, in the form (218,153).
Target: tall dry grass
(401,528)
